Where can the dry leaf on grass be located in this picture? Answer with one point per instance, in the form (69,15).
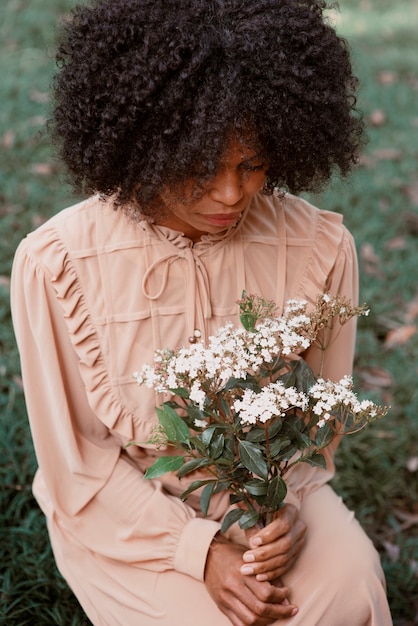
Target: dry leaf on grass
(371,261)
(399,336)
(396,243)
(411,309)
(408,519)
(374,377)
(8,139)
(18,381)
(388,154)
(37,220)
(392,550)
(384,434)
(43,169)
(377,117)
(5,282)
(411,191)
(39,96)
(387,77)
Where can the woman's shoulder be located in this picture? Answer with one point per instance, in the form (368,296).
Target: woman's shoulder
(293,218)
(85,228)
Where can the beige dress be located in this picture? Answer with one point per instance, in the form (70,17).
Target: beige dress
(93,295)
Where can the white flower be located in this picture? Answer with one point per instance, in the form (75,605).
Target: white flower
(197,395)
(200,423)
(329,397)
(272,401)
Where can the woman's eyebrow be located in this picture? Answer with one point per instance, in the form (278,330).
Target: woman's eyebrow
(255,157)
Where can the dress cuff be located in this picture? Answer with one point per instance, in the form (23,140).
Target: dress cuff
(292,498)
(193,546)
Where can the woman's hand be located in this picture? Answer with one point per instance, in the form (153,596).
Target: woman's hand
(275,548)
(245,600)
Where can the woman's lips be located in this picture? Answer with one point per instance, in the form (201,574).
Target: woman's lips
(222,219)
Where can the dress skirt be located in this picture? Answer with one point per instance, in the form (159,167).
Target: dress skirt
(337,580)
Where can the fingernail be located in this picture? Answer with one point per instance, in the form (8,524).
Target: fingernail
(293,613)
(256,541)
(249,557)
(261,577)
(246,570)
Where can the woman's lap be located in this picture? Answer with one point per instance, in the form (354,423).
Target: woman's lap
(337,580)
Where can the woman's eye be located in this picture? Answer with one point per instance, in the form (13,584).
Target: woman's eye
(257,167)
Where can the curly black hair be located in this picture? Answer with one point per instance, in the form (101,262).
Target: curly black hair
(148,93)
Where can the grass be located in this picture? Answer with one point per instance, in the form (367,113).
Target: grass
(378,469)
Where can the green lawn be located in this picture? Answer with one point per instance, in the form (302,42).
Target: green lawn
(378,469)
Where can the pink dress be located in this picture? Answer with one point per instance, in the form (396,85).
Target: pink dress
(93,295)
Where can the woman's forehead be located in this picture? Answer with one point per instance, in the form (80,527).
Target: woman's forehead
(238,149)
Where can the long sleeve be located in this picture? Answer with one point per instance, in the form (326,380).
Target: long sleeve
(334,363)
(83,480)
(337,360)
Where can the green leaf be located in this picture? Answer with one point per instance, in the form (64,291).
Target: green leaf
(275,427)
(217,445)
(303,439)
(194,413)
(276,493)
(181,392)
(299,376)
(206,496)
(163,465)
(191,466)
(196,444)
(229,450)
(222,485)
(225,409)
(304,376)
(256,434)
(257,487)
(285,454)
(207,434)
(278,445)
(195,485)
(249,519)
(230,518)
(323,435)
(252,458)
(242,383)
(175,429)
(316,460)
(291,422)
(312,421)
(248,320)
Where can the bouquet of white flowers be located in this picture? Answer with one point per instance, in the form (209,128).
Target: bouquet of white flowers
(246,407)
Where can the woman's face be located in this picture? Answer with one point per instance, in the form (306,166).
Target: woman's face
(240,177)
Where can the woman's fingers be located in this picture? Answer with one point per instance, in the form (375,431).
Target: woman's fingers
(276,547)
(258,604)
(275,568)
(245,600)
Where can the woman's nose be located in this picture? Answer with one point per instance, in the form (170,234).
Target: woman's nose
(226,187)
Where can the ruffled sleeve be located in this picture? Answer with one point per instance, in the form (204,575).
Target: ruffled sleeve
(332,268)
(97,494)
(334,260)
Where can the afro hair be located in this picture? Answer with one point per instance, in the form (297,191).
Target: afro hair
(147,94)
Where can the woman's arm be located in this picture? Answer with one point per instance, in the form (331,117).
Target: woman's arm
(99,497)
(274,549)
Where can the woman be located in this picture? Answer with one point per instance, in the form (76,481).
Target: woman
(180,119)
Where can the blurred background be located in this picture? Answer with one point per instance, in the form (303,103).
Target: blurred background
(378,469)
